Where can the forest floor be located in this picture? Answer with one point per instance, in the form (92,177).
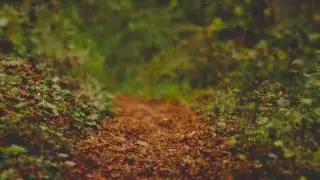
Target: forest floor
(152,139)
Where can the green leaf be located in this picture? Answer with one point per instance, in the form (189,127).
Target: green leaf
(298,62)
(317,155)
(302,178)
(91,123)
(21,105)
(317,111)
(314,83)
(306,101)
(232,142)
(288,153)
(283,102)
(13,150)
(216,24)
(278,143)
(314,37)
(49,106)
(296,117)
(262,120)
(238,10)
(3,22)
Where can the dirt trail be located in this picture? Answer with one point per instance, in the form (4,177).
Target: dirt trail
(152,139)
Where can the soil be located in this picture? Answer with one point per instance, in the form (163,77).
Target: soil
(154,139)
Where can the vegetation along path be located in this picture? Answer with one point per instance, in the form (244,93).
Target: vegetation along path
(153,139)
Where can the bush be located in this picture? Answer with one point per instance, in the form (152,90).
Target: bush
(41,113)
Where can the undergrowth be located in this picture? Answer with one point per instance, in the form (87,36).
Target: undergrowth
(41,113)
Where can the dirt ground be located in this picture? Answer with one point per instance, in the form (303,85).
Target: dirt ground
(153,139)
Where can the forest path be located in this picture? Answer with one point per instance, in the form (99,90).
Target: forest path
(152,139)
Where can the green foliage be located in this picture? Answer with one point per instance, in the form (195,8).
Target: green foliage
(41,112)
(13,150)
(39,32)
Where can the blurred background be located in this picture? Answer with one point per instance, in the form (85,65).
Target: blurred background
(164,47)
